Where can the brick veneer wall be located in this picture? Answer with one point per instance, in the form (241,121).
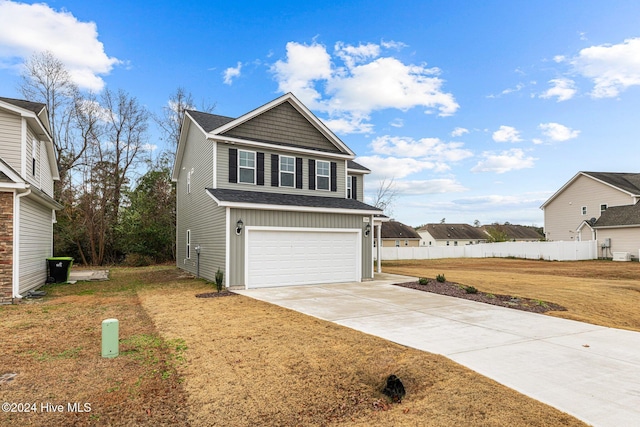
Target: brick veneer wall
(6,246)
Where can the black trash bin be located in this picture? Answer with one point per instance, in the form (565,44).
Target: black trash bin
(59,268)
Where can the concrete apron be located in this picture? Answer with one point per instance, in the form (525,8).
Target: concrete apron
(588,371)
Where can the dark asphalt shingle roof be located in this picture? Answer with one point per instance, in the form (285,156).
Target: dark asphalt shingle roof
(209,122)
(619,216)
(36,107)
(298,200)
(356,166)
(516,232)
(397,230)
(629,182)
(454,231)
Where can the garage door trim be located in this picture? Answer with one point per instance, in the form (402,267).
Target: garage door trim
(356,231)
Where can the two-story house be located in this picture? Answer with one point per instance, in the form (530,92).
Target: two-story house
(27,209)
(574,212)
(271,198)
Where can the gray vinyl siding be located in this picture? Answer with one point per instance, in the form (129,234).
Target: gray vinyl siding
(252,217)
(46,175)
(223,173)
(563,215)
(28,174)
(35,243)
(196,211)
(283,124)
(359,187)
(10,139)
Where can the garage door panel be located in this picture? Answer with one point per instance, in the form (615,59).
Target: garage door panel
(287,257)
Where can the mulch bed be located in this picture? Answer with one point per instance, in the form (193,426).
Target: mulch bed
(457,290)
(216,294)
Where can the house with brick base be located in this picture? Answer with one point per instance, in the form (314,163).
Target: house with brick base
(28,170)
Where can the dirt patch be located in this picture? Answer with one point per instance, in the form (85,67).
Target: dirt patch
(457,290)
(216,294)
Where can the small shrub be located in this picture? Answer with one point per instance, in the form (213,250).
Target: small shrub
(423,281)
(471,290)
(440,278)
(219,279)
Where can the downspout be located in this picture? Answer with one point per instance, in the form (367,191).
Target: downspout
(16,243)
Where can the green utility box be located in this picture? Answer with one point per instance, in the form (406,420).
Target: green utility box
(59,268)
(110,347)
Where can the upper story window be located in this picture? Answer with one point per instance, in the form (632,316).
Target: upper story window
(246,167)
(603,208)
(287,171)
(323,175)
(34,156)
(349,187)
(584,210)
(188,182)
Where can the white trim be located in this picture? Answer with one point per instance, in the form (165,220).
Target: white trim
(187,248)
(290,208)
(324,176)
(255,167)
(215,165)
(276,147)
(280,171)
(249,229)
(23,148)
(227,244)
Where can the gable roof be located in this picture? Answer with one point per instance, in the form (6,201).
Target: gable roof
(514,231)
(208,122)
(277,201)
(619,216)
(396,230)
(357,167)
(625,182)
(453,231)
(34,107)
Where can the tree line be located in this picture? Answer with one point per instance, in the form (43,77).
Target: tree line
(119,201)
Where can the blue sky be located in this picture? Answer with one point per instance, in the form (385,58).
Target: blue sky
(477,110)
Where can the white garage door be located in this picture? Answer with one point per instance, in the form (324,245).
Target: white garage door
(282,257)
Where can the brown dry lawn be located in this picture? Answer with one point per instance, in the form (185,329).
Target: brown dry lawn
(229,361)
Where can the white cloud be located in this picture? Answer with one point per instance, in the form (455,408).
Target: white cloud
(507,134)
(504,161)
(459,132)
(29,28)
(357,80)
(563,88)
(396,167)
(350,124)
(397,123)
(231,73)
(557,132)
(612,68)
(431,149)
(429,186)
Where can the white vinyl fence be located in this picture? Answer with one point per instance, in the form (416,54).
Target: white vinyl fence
(551,251)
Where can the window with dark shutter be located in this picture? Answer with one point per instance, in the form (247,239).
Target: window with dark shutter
(334,176)
(233,165)
(260,177)
(298,172)
(275,168)
(354,187)
(312,174)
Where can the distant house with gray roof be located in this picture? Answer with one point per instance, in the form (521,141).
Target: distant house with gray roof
(397,234)
(600,206)
(451,235)
(514,232)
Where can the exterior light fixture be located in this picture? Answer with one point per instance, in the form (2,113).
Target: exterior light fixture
(367,230)
(239,226)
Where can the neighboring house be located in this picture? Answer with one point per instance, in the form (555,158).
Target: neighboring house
(617,230)
(397,234)
(513,232)
(27,209)
(451,235)
(271,198)
(573,211)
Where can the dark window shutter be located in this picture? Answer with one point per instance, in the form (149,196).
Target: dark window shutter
(334,176)
(312,174)
(354,187)
(298,172)
(233,165)
(275,170)
(260,169)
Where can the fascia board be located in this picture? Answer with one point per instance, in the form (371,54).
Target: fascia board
(276,147)
(291,208)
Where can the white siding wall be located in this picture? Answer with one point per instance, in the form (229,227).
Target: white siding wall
(36,242)
(564,214)
(622,240)
(10,140)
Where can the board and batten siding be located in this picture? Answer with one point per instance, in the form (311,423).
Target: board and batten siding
(563,215)
(35,243)
(196,211)
(11,139)
(283,124)
(264,218)
(223,173)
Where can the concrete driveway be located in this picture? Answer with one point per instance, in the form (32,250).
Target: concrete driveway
(588,371)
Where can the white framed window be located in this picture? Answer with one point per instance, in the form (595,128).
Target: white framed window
(287,171)
(188,182)
(603,207)
(323,175)
(34,156)
(349,186)
(397,243)
(584,210)
(188,245)
(246,167)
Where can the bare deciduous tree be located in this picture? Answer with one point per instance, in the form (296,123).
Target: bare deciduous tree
(385,196)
